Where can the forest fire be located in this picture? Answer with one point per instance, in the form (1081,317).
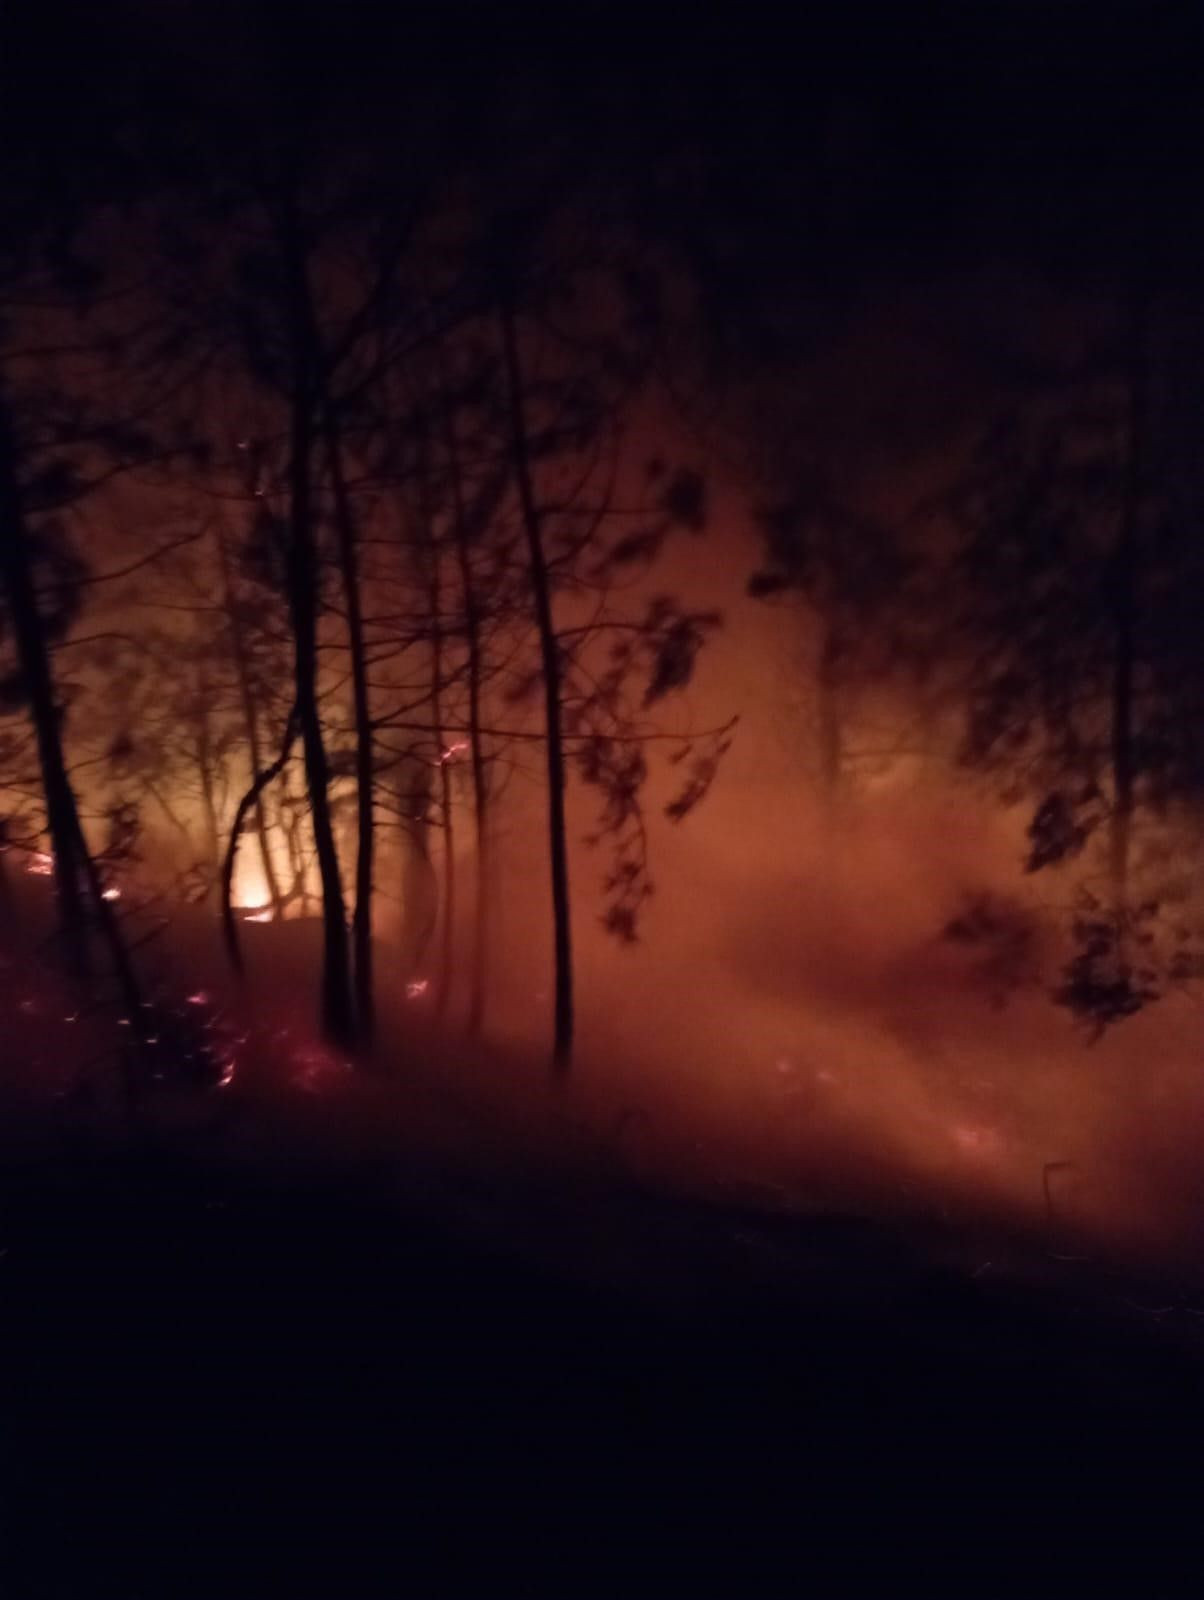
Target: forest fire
(601,779)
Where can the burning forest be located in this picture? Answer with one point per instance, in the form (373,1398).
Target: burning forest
(601,785)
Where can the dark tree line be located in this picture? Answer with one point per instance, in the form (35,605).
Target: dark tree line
(388,398)
(347,368)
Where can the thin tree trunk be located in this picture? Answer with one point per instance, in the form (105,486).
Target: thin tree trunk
(338,1021)
(250,713)
(298,865)
(365,765)
(204,755)
(478,973)
(549,647)
(445,791)
(252,796)
(33,657)
(419,887)
(419,884)
(77,880)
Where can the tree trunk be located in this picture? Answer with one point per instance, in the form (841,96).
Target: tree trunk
(291,809)
(76,878)
(258,785)
(549,647)
(338,1022)
(447,936)
(250,713)
(34,660)
(478,972)
(204,760)
(419,891)
(365,766)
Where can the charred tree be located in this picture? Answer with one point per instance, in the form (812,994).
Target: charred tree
(78,886)
(338,1019)
(365,768)
(470,600)
(549,652)
(252,798)
(250,716)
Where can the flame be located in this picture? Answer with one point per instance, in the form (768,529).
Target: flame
(452,751)
(417,987)
(262,914)
(111,894)
(251,891)
(40,864)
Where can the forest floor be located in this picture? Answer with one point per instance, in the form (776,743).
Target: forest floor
(384,1335)
(392,1378)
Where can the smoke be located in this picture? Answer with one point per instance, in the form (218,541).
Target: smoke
(798,1026)
(794,1027)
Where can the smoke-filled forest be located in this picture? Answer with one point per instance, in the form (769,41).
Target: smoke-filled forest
(601,789)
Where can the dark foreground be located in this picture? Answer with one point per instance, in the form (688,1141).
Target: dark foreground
(212,1387)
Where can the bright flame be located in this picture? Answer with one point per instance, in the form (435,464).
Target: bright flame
(40,864)
(263,914)
(452,751)
(251,891)
(111,894)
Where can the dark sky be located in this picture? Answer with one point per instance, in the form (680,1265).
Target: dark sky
(942,126)
(800,158)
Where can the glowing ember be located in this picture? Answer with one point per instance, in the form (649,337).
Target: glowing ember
(111,894)
(452,751)
(319,1068)
(416,987)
